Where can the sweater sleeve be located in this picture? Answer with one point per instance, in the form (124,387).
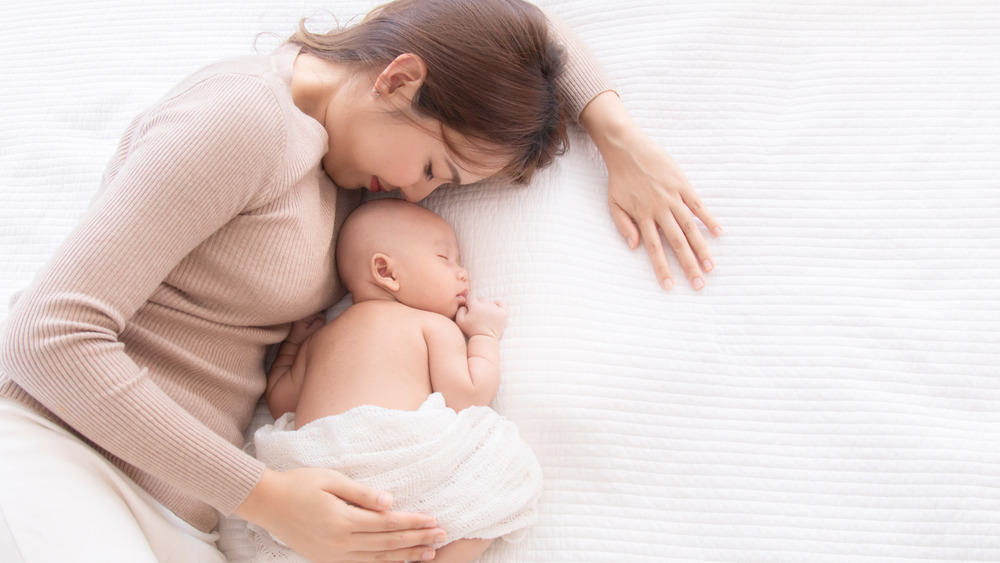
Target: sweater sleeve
(584,77)
(192,163)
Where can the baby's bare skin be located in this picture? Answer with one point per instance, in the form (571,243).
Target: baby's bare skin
(412,330)
(397,377)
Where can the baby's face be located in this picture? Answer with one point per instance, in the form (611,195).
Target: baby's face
(433,278)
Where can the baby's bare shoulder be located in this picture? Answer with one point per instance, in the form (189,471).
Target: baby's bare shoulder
(385,320)
(377,316)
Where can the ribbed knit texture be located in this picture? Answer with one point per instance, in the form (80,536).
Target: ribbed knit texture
(584,78)
(213,229)
(146,331)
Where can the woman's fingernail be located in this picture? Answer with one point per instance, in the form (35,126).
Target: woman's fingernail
(384,499)
(441,538)
(707,265)
(667,283)
(427,556)
(717,231)
(698,283)
(631,242)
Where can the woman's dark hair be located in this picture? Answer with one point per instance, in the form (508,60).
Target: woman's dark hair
(491,70)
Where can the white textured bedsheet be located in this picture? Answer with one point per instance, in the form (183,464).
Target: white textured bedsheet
(833,394)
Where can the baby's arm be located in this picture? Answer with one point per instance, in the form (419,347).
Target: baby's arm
(483,321)
(468,374)
(282,393)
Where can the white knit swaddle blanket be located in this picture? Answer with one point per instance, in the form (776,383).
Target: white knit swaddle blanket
(470,470)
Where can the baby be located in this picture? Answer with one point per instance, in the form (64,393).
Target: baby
(394,391)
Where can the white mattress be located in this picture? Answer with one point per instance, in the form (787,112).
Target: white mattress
(833,394)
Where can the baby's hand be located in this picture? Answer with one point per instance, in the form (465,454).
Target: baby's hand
(481,316)
(304,328)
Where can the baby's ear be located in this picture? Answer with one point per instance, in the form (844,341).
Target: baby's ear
(383,272)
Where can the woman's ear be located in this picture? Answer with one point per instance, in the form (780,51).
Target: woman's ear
(383,272)
(404,75)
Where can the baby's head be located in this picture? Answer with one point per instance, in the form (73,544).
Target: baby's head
(396,250)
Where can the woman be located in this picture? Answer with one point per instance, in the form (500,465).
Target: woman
(145,333)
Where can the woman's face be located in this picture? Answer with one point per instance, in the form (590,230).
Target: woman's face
(381,151)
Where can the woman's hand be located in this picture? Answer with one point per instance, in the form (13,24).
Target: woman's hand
(326,517)
(648,193)
(304,328)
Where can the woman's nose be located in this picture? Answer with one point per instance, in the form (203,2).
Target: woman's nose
(418,191)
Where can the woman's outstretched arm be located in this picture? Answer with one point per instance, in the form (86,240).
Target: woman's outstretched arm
(648,193)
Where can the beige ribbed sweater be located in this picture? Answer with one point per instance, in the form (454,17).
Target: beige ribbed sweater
(213,229)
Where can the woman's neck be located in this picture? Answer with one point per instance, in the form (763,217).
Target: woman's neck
(317,84)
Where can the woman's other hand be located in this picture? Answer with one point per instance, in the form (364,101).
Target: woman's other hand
(304,328)
(648,193)
(326,517)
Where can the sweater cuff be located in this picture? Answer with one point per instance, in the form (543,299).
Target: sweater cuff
(584,78)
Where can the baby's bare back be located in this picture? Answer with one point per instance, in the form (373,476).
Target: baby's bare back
(374,353)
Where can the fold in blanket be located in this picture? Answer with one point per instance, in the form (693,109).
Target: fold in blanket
(470,470)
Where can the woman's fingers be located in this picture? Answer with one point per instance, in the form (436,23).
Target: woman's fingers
(397,540)
(393,536)
(625,225)
(652,212)
(357,493)
(698,245)
(368,522)
(657,256)
(694,203)
(683,237)
(326,516)
(412,554)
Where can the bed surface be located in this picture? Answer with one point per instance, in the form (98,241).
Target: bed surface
(833,394)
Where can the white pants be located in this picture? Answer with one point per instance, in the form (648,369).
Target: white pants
(62,501)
